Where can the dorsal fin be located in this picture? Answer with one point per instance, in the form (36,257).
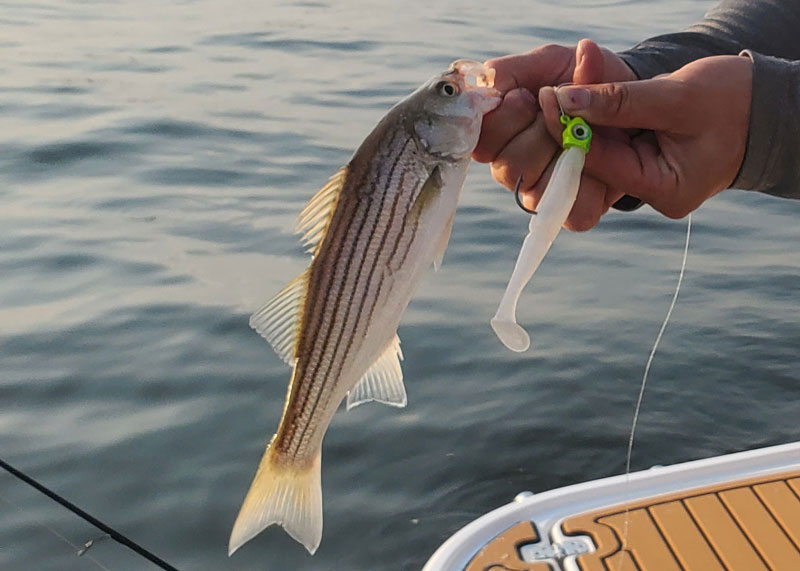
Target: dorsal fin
(279,320)
(314,219)
(383,382)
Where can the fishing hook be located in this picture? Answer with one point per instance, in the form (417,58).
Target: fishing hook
(518,198)
(555,92)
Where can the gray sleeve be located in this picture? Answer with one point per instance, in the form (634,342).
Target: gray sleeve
(768,27)
(772,157)
(767,31)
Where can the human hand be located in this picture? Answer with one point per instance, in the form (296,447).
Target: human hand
(695,123)
(514,137)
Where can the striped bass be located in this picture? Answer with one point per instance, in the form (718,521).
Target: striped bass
(373,230)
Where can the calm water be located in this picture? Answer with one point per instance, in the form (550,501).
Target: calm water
(152,158)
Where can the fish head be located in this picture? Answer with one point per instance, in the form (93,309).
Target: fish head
(447,110)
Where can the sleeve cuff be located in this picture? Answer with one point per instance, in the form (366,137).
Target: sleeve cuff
(774,132)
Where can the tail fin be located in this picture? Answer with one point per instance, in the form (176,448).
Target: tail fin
(288,496)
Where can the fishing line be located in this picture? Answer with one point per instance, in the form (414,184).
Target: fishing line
(58,535)
(114,534)
(639,400)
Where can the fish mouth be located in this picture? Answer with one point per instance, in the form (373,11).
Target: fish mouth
(475,75)
(480,75)
(477,79)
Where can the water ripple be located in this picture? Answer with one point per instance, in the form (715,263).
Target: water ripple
(56,158)
(268,41)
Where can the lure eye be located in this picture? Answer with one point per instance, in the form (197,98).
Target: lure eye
(446,89)
(580,132)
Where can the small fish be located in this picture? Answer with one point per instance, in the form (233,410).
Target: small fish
(373,230)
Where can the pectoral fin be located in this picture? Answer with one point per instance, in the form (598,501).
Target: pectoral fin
(429,192)
(442,245)
(383,382)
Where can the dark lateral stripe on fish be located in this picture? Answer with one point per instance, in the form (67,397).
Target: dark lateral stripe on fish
(396,243)
(369,222)
(338,316)
(320,283)
(408,230)
(333,282)
(376,296)
(321,311)
(371,295)
(340,234)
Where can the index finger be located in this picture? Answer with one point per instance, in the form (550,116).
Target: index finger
(545,65)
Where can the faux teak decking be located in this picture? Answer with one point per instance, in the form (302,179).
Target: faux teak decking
(744,525)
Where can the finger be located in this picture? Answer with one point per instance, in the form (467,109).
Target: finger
(593,200)
(613,196)
(528,154)
(590,205)
(658,104)
(589,63)
(532,196)
(545,65)
(634,167)
(637,168)
(548,103)
(588,212)
(516,113)
(551,111)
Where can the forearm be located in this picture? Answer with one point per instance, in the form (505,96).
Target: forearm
(767,30)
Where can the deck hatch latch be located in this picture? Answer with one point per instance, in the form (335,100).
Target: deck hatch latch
(542,551)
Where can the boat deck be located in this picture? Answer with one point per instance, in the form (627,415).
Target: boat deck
(751,524)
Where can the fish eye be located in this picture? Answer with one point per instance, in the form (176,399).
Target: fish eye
(446,88)
(580,132)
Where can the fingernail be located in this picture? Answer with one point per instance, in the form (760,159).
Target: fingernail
(573,98)
(542,91)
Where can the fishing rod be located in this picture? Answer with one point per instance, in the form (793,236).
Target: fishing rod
(112,533)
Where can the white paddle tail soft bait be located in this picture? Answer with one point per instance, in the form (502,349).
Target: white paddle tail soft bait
(551,213)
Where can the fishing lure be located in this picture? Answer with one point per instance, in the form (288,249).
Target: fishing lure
(552,212)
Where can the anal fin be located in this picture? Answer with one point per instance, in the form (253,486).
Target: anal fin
(383,382)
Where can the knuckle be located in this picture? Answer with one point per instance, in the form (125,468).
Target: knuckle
(548,50)
(581,222)
(616,98)
(482,154)
(503,173)
(522,103)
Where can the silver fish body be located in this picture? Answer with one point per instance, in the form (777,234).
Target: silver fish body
(374,229)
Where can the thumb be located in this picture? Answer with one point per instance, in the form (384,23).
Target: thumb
(589,63)
(656,104)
